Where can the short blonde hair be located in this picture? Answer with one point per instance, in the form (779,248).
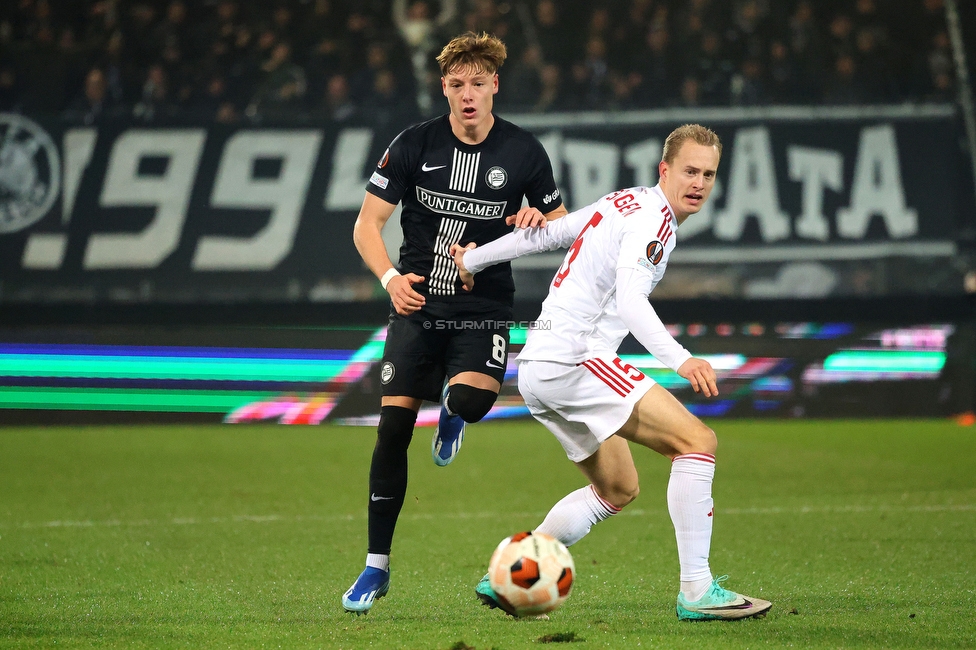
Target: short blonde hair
(483,53)
(698,133)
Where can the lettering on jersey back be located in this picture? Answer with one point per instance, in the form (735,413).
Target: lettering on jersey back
(626,204)
(460,206)
(625,201)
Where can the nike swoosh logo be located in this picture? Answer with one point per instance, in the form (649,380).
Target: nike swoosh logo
(373,497)
(745,605)
(425,168)
(493,365)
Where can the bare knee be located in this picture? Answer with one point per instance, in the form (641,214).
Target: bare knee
(619,494)
(663,424)
(700,439)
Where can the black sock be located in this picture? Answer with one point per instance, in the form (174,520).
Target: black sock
(388,475)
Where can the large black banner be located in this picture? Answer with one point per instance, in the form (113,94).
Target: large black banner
(807,204)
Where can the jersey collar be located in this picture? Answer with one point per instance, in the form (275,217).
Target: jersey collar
(461,143)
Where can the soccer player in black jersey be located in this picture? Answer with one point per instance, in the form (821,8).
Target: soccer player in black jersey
(461,178)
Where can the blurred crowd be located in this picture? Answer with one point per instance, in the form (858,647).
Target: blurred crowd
(233,60)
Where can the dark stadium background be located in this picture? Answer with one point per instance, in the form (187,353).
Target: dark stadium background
(178,183)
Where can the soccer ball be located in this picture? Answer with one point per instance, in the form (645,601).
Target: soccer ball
(531,573)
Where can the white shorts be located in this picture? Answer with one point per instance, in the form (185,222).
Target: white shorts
(582,404)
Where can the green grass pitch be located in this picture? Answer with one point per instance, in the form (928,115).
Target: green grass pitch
(863,534)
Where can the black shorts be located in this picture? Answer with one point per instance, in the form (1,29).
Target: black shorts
(440,341)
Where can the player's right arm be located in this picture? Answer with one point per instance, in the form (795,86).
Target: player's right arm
(368,237)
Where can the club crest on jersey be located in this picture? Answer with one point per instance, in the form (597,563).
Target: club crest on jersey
(654,252)
(387,372)
(496,178)
(385,159)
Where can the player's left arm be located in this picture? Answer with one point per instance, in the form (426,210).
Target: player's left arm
(633,308)
(635,281)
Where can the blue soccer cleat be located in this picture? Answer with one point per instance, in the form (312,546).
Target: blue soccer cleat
(448,436)
(719,604)
(372,584)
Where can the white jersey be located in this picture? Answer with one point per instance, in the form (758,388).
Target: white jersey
(618,252)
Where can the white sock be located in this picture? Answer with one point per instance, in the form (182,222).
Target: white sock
(690,505)
(573,516)
(378,561)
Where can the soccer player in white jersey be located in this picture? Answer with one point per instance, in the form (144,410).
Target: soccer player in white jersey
(575,384)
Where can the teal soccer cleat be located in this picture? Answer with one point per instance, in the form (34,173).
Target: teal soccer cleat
(719,604)
(487,595)
(372,584)
(490,599)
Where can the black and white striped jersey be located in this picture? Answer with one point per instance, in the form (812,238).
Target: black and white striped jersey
(455,192)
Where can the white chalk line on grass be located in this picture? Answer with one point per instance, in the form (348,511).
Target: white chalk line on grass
(802,510)
(634,512)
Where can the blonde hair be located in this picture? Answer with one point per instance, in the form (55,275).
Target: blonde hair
(696,132)
(483,53)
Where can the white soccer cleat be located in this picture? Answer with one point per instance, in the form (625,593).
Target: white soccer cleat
(719,604)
